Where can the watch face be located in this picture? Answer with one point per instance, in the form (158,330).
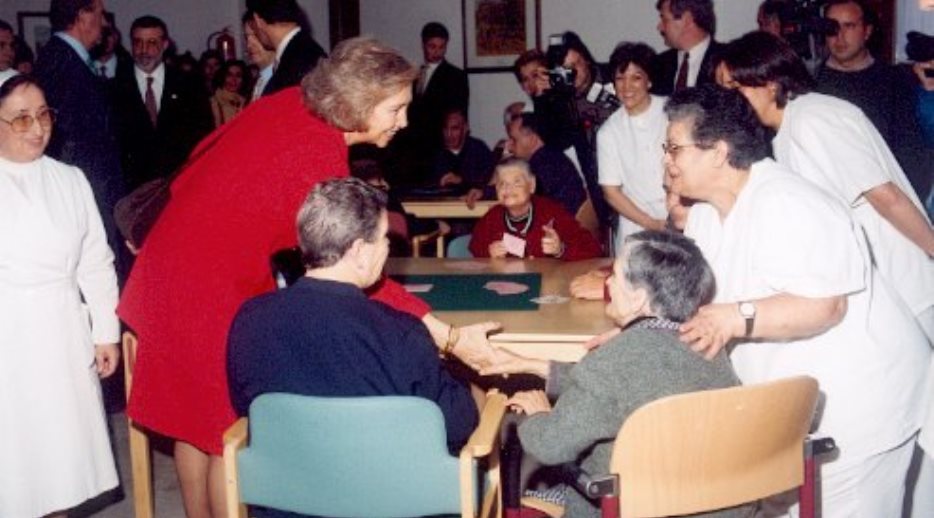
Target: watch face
(747,309)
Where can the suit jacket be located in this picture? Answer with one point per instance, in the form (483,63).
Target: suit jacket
(447,88)
(299,57)
(85,130)
(149,152)
(666,69)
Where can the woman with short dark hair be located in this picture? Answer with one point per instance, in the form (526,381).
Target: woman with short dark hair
(629,144)
(231,209)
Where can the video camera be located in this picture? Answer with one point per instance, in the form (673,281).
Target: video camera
(804,27)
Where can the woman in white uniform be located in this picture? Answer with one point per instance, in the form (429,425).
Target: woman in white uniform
(832,143)
(58,329)
(796,294)
(629,153)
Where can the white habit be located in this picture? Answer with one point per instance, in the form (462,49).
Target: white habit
(54,448)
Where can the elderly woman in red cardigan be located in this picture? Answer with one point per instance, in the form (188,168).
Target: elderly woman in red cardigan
(526,225)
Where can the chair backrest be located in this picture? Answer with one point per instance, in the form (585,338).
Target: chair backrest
(459,247)
(587,217)
(349,457)
(708,450)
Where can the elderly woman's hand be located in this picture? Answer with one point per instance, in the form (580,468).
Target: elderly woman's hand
(106,357)
(551,242)
(507,362)
(473,346)
(712,327)
(529,402)
(497,250)
(590,285)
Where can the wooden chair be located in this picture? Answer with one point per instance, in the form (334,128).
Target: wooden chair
(437,236)
(587,217)
(709,450)
(359,457)
(140,459)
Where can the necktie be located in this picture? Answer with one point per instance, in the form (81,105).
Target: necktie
(103,71)
(682,80)
(150,101)
(422,80)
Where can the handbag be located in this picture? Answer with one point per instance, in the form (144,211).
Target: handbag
(136,213)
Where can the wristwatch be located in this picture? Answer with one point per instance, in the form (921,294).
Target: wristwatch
(747,310)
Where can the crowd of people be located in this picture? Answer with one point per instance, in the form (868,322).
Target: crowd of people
(766,217)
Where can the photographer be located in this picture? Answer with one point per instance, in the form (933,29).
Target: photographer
(574,94)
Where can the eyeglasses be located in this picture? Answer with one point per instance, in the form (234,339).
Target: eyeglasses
(673,149)
(23,122)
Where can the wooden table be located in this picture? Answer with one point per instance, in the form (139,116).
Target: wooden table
(553,331)
(448,207)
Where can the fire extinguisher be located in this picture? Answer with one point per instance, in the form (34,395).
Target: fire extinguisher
(224,42)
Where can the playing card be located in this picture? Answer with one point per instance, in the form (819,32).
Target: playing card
(418,288)
(506,287)
(514,245)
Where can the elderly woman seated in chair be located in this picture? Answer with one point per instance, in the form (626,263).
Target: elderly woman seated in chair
(526,225)
(659,280)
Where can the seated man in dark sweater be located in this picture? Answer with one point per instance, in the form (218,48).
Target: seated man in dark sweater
(322,336)
(659,280)
(464,162)
(558,177)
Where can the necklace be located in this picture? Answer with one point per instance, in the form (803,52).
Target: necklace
(511,221)
(656,323)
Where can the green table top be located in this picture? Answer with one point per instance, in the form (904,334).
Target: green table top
(453,292)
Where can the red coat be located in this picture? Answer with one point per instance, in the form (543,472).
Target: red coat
(209,252)
(579,243)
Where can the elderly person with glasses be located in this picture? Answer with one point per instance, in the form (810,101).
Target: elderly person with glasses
(59,329)
(797,294)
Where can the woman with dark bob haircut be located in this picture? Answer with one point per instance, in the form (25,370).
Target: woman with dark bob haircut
(231,209)
(629,144)
(833,144)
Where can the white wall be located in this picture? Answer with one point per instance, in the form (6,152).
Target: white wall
(600,23)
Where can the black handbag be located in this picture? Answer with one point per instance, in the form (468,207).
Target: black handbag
(136,213)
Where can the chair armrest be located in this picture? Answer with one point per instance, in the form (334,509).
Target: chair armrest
(481,441)
(588,485)
(235,439)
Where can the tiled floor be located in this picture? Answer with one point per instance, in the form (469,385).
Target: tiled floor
(119,503)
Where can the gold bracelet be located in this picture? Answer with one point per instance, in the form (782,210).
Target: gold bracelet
(453,336)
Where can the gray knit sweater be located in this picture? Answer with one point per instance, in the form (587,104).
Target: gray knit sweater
(599,393)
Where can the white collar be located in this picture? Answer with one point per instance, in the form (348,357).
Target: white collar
(285,42)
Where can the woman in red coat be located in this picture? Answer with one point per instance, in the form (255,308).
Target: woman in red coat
(209,252)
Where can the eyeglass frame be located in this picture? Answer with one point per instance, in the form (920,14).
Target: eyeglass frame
(672,149)
(33,119)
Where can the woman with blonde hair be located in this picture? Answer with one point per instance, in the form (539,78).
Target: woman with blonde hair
(231,209)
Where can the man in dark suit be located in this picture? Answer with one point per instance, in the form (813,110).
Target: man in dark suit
(156,136)
(440,88)
(84,133)
(280,25)
(688,27)
(110,58)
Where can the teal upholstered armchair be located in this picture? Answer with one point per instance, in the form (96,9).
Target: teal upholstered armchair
(360,457)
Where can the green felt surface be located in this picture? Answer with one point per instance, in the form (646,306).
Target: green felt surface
(467,292)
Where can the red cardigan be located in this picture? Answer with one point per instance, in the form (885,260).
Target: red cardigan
(209,252)
(579,243)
